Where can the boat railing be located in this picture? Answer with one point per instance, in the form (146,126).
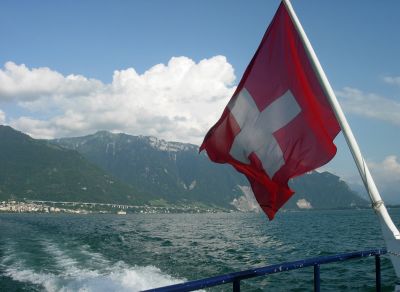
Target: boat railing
(236,277)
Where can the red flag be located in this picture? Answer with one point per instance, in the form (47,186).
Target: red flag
(279,123)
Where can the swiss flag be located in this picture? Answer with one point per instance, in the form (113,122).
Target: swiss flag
(279,123)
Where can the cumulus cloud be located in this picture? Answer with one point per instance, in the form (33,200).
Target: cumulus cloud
(2,117)
(175,101)
(19,83)
(370,105)
(387,176)
(388,169)
(395,80)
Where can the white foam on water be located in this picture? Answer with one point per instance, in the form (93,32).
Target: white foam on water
(96,258)
(118,279)
(75,276)
(122,279)
(13,266)
(63,261)
(18,273)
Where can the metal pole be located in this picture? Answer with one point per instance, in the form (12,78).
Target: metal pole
(317,279)
(378,272)
(347,132)
(389,230)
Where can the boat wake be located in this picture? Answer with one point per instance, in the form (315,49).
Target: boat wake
(79,270)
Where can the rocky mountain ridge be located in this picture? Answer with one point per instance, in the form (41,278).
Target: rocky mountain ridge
(176,172)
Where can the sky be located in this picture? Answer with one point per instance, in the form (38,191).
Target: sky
(168,68)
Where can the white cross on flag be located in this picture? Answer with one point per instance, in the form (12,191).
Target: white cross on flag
(279,123)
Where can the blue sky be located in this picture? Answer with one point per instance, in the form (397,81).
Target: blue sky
(167,68)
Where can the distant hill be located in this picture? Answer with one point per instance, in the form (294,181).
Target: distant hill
(324,191)
(176,173)
(120,168)
(168,171)
(35,169)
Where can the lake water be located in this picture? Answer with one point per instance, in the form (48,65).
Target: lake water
(56,252)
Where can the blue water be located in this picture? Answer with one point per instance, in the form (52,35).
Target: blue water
(55,252)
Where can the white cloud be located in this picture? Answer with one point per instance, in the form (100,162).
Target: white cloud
(2,117)
(177,101)
(388,170)
(395,80)
(370,105)
(19,83)
(387,176)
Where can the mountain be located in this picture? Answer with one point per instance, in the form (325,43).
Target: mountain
(176,173)
(323,190)
(35,169)
(167,171)
(120,168)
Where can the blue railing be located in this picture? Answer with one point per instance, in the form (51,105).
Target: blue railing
(236,277)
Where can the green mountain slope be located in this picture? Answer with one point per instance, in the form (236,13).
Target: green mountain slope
(177,173)
(324,190)
(174,172)
(35,169)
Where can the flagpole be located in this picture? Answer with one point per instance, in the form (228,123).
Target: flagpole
(390,231)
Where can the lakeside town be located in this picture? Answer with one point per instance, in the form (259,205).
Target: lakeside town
(36,206)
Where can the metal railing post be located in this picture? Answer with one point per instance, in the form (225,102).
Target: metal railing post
(236,277)
(317,282)
(236,285)
(378,272)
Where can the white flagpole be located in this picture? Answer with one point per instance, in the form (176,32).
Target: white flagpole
(390,232)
